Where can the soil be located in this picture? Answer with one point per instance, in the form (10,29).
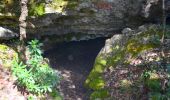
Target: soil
(8,91)
(74,60)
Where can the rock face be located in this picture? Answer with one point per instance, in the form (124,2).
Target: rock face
(93,17)
(119,60)
(99,17)
(7,34)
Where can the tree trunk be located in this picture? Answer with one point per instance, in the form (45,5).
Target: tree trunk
(164,30)
(163,20)
(22,26)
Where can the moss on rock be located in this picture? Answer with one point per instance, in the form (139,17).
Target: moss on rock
(61,5)
(123,49)
(100,94)
(7,55)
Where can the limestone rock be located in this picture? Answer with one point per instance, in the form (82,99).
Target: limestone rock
(7,34)
(101,18)
(98,17)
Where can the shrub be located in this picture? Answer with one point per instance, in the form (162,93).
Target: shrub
(36,76)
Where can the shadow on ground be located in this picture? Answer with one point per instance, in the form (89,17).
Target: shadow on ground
(75,61)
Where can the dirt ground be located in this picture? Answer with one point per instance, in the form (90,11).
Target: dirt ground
(8,91)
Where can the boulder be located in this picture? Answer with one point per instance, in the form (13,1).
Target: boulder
(123,54)
(6,34)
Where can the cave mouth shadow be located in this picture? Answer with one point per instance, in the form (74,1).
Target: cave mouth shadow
(75,59)
(75,55)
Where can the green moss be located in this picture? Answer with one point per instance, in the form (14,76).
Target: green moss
(100,94)
(136,44)
(97,83)
(135,47)
(92,76)
(7,54)
(115,59)
(36,8)
(3,47)
(95,79)
(132,47)
(60,5)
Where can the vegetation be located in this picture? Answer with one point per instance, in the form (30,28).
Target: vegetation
(36,77)
(135,65)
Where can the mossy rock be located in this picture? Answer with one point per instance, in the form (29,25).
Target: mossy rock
(123,49)
(97,84)
(36,8)
(7,55)
(99,95)
(61,5)
(95,80)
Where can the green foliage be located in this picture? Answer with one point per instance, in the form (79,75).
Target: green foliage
(30,97)
(35,48)
(158,96)
(36,8)
(153,85)
(36,77)
(146,75)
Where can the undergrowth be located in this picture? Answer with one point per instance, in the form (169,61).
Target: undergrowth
(36,76)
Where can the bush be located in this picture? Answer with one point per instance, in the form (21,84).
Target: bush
(36,76)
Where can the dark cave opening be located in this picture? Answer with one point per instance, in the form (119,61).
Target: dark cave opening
(74,60)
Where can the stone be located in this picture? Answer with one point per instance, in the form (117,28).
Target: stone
(122,51)
(7,34)
(126,30)
(98,17)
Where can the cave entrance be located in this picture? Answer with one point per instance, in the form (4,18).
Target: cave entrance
(74,60)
